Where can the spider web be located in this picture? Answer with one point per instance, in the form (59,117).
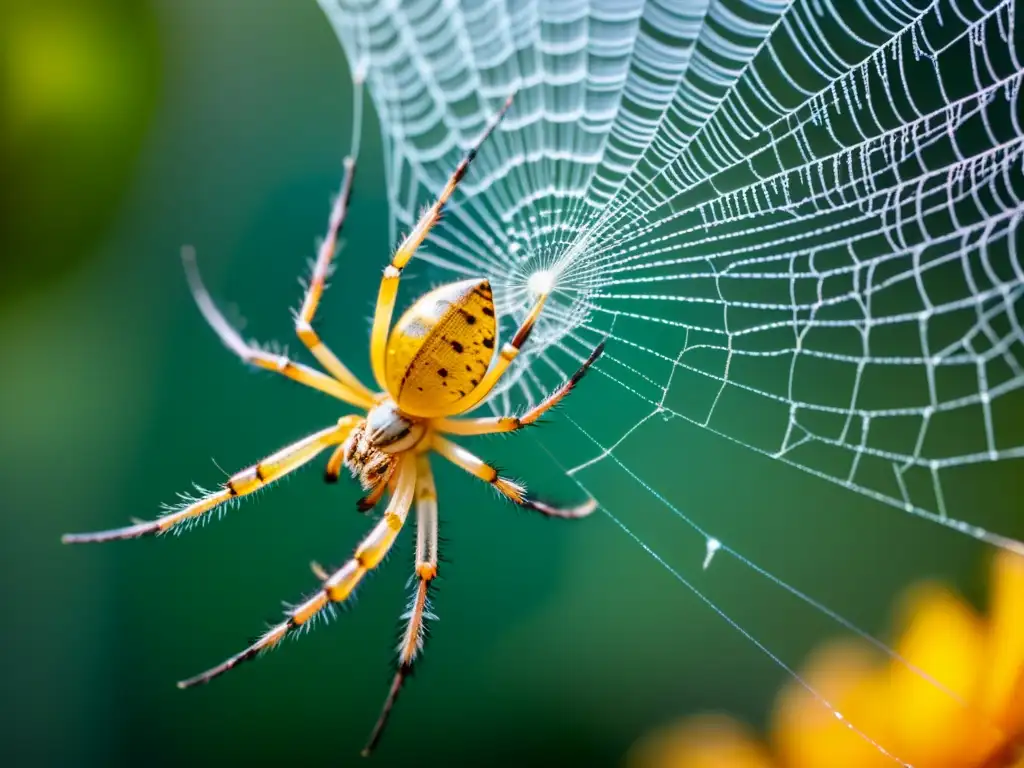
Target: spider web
(806,207)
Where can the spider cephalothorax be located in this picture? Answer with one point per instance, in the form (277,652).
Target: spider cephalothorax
(371,449)
(440,360)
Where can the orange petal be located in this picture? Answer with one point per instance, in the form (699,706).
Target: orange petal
(807,734)
(705,741)
(936,721)
(1002,695)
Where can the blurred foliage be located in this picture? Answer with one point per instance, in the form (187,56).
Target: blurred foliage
(81,80)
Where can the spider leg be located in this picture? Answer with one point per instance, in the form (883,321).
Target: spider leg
(369,501)
(239,484)
(494,424)
(332,472)
(318,281)
(393,272)
(255,356)
(339,585)
(411,643)
(512,490)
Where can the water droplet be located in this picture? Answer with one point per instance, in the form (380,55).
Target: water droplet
(713,546)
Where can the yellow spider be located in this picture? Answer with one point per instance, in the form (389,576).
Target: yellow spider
(434,364)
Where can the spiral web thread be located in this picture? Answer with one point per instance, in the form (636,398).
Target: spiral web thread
(807,206)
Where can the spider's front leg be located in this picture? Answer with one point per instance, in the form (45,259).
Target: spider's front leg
(318,282)
(393,272)
(324,258)
(242,483)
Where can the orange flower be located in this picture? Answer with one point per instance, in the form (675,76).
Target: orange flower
(954,698)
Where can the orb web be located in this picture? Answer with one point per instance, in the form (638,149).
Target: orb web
(807,207)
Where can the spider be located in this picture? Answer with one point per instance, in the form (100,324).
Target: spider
(437,362)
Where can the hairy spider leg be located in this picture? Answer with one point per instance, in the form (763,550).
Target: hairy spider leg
(393,272)
(552,510)
(494,424)
(512,490)
(322,267)
(255,356)
(332,472)
(239,484)
(318,282)
(414,634)
(463,458)
(340,584)
(426,519)
(369,501)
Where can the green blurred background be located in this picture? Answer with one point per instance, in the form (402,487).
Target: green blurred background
(130,128)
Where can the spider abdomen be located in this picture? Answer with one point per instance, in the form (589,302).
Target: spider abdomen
(440,349)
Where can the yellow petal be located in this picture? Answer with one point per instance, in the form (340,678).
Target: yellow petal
(1002,695)
(807,734)
(706,741)
(936,721)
